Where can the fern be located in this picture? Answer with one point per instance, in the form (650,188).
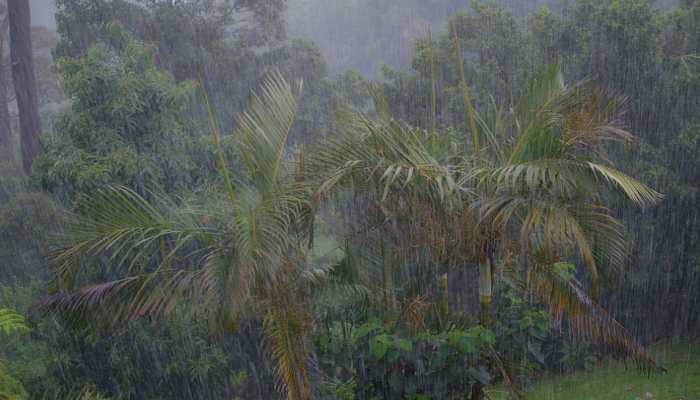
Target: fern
(12,322)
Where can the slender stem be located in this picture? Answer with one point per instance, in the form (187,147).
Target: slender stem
(433,81)
(471,114)
(217,142)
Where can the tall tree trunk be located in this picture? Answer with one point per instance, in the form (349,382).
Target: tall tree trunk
(5,126)
(388,280)
(25,82)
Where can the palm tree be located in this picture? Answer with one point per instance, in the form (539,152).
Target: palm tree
(403,190)
(529,201)
(545,190)
(241,255)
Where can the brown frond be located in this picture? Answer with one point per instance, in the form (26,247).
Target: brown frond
(588,320)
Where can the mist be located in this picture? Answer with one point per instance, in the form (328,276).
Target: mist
(350,200)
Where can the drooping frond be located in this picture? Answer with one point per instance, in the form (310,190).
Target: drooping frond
(564,229)
(119,226)
(562,178)
(286,328)
(12,322)
(130,298)
(287,322)
(386,153)
(634,190)
(586,319)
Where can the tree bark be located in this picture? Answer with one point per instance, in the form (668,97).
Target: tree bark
(24,79)
(5,126)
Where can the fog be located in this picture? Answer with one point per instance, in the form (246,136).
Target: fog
(350,200)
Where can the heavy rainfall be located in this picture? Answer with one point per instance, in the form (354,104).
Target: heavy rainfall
(350,199)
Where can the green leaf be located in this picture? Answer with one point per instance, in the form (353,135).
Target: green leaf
(393,355)
(403,344)
(379,345)
(365,329)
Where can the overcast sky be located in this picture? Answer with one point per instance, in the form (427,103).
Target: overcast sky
(42,12)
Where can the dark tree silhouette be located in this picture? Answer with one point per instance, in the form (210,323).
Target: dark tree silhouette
(24,80)
(5,127)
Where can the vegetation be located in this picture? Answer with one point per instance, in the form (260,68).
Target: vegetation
(213,217)
(125,116)
(614,381)
(11,323)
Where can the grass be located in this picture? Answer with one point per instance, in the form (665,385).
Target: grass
(615,382)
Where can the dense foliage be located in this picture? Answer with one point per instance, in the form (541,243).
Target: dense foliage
(214,216)
(125,117)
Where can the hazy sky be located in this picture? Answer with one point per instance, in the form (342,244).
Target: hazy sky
(338,30)
(42,12)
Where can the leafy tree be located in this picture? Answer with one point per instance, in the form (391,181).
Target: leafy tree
(27,219)
(191,37)
(494,58)
(126,115)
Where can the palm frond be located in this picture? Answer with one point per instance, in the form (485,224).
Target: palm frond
(565,228)
(556,121)
(387,153)
(634,190)
(154,295)
(537,115)
(286,331)
(12,322)
(563,179)
(119,226)
(264,127)
(587,320)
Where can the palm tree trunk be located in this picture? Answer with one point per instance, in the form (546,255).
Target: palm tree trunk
(477,392)
(24,79)
(444,282)
(388,278)
(486,268)
(486,291)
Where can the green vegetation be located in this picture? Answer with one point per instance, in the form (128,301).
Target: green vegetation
(212,216)
(614,380)
(11,323)
(126,116)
